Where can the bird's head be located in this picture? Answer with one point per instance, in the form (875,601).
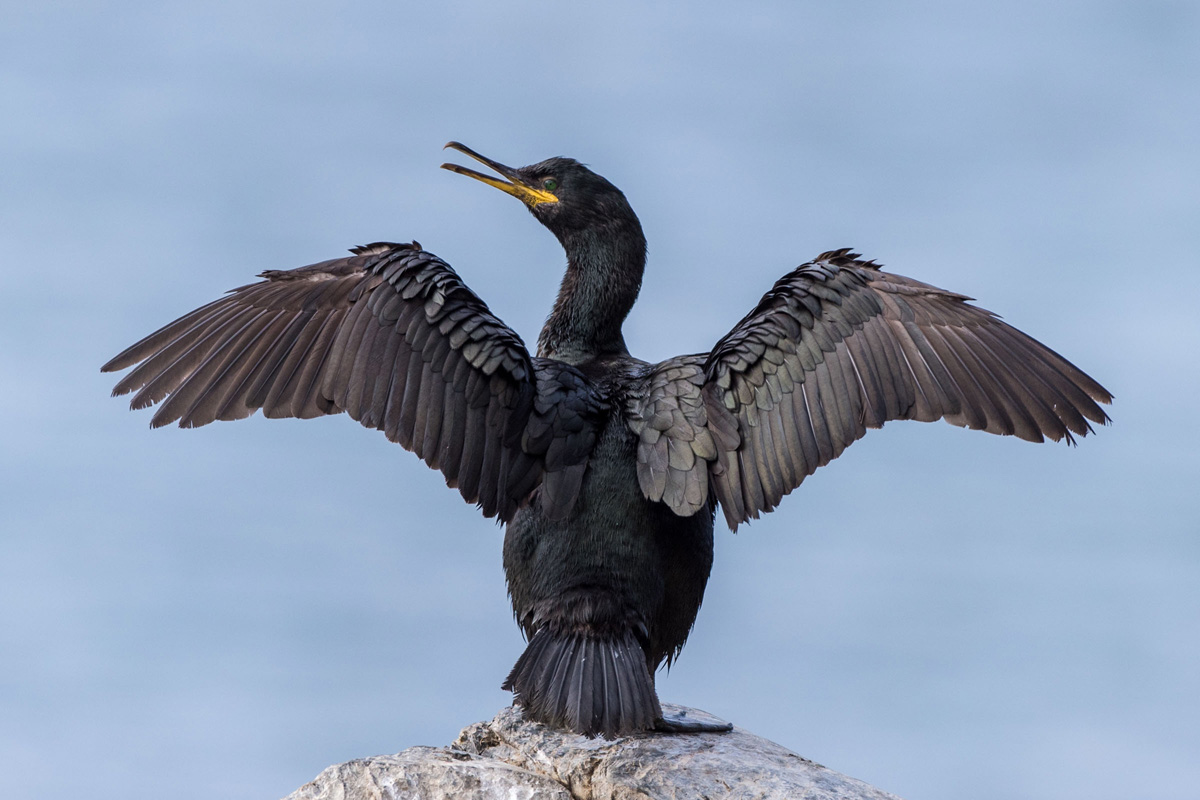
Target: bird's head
(563,194)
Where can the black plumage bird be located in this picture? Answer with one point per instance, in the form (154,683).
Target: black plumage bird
(606,469)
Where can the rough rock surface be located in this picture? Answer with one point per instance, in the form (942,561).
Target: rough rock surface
(511,759)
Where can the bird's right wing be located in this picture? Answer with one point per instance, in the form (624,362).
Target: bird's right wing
(394,337)
(836,347)
(839,346)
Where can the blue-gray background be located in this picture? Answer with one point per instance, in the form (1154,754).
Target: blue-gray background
(224,612)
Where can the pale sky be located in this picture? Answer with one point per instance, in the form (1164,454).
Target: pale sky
(224,612)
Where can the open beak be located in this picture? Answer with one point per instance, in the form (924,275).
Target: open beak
(517,186)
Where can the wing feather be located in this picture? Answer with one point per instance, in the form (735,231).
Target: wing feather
(839,346)
(392,336)
(214,361)
(666,410)
(264,360)
(229,373)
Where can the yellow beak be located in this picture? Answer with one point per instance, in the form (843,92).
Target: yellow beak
(515,185)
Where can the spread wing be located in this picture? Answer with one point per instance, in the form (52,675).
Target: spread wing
(394,337)
(839,346)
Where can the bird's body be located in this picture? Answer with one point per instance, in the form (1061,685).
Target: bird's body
(619,565)
(607,470)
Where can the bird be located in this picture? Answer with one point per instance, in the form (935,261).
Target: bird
(606,470)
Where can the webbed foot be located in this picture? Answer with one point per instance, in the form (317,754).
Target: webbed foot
(680,719)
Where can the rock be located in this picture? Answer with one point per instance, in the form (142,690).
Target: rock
(511,759)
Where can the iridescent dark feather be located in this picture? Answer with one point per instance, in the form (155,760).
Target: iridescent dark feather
(393,337)
(839,346)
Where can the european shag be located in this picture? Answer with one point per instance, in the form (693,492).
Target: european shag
(606,469)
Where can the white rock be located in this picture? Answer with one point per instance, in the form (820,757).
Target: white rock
(511,759)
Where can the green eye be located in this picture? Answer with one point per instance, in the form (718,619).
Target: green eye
(549,184)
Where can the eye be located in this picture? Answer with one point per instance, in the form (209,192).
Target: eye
(549,184)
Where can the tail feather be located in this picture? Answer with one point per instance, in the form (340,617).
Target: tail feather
(582,695)
(613,708)
(557,691)
(588,683)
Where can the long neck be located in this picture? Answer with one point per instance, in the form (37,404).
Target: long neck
(604,274)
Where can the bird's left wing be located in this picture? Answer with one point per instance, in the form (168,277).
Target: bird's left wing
(392,336)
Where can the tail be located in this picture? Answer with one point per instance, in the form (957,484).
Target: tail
(585,682)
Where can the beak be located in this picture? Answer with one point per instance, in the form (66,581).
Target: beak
(517,186)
